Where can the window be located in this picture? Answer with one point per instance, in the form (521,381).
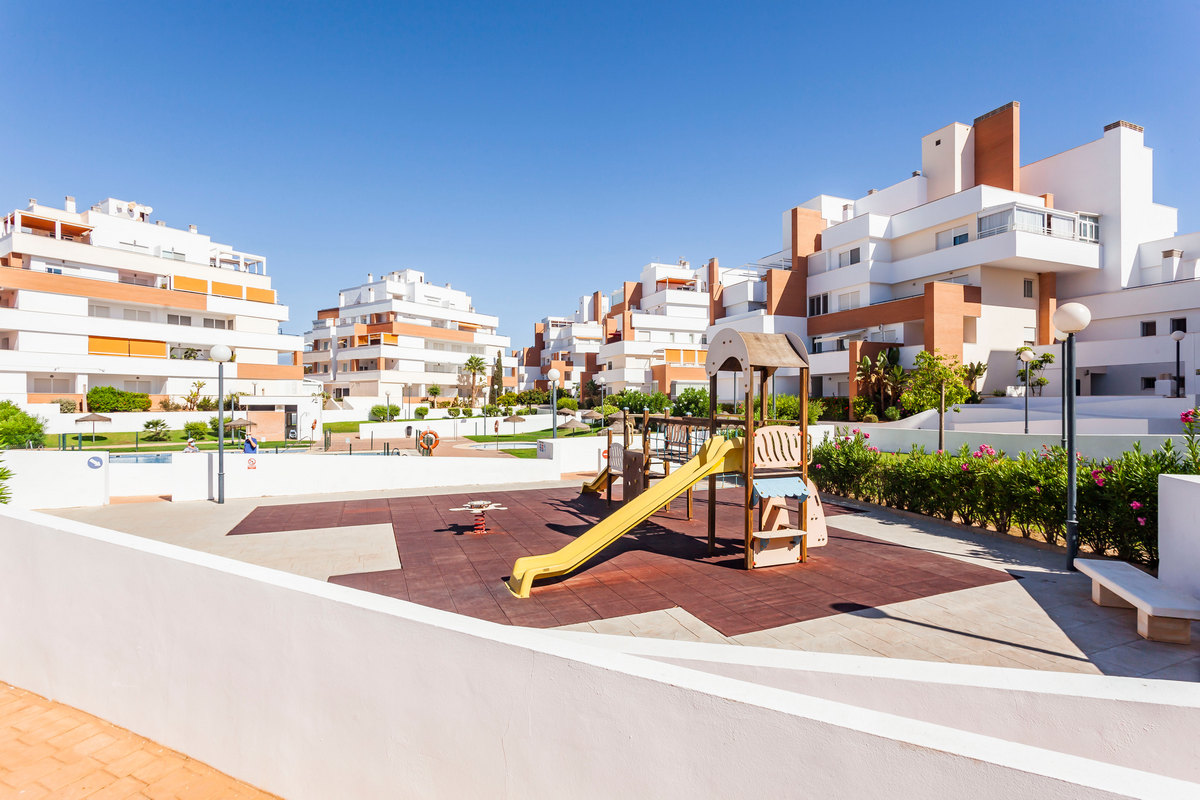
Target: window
(816,345)
(54,270)
(1179,324)
(1147,383)
(998,222)
(176,319)
(1149,328)
(138,386)
(174,255)
(1027,288)
(49,385)
(952,237)
(137,315)
(847,301)
(848,257)
(1089,227)
(214,323)
(98,311)
(818,305)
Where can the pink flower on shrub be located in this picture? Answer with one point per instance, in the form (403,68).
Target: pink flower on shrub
(1188,416)
(939,452)
(1037,489)
(1109,468)
(1135,505)
(837,447)
(873,449)
(866,436)
(966,468)
(1141,520)
(817,466)
(1100,481)
(857,430)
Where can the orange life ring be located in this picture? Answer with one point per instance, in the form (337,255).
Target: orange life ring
(604,455)
(421,443)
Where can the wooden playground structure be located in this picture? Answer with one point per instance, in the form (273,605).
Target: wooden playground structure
(769,458)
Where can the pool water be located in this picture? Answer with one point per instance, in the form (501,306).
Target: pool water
(141,458)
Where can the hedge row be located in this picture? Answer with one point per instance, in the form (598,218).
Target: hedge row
(1117,501)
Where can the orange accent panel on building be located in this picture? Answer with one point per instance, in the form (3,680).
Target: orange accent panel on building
(1049,198)
(1047,305)
(328,313)
(409,329)
(267,372)
(16,278)
(945,305)
(107,346)
(786,292)
(182,284)
(998,148)
(260,295)
(906,310)
(666,374)
(227,289)
(807,225)
(597,308)
(146,348)
(51,398)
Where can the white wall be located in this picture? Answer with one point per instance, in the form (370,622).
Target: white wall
(352,694)
(462,426)
(50,479)
(579,454)
(1178,536)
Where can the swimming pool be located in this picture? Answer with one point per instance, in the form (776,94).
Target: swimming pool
(141,458)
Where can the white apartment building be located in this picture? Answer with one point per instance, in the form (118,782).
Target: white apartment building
(106,297)
(972,254)
(568,344)
(397,335)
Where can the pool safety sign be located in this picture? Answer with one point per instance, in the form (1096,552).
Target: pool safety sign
(95,462)
(251,463)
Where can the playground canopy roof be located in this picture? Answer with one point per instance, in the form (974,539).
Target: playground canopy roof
(735,351)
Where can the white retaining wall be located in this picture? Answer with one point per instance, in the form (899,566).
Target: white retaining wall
(51,479)
(462,426)
(1178,534)
(312,690)
(580,453)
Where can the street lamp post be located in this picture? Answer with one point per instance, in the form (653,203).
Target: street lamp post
(553,375)
(220,354)
(387,407)
(1026,356)
(1062,338)
(1071,319)
(1178,337)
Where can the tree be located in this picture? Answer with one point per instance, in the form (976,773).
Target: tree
(497,378)
(590,394)
(474,367)
(193,397)
(19,429)
(1039,363)
(936,382)
(435,390)
(156,430)
(973,373)
(692,402)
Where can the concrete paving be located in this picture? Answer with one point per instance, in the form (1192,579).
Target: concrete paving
(1044,619)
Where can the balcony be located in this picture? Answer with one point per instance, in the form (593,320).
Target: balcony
(1042,221)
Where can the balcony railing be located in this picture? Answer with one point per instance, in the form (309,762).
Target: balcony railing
(1042,221)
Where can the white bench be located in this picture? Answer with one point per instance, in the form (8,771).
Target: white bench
(1164,614)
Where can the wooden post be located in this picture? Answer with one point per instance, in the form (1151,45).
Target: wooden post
(804,378)
(646,448)
(712,479)
(611,475)
(748,467)
(689,458)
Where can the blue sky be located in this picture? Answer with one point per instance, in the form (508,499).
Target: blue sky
(531,153)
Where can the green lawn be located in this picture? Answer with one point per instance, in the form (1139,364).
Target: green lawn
(531,436)
(123,442)
(342,427)
(525,452)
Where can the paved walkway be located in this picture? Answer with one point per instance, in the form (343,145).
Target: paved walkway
(886,585)
(51,750)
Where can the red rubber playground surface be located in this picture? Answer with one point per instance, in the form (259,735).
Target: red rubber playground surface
(664,563)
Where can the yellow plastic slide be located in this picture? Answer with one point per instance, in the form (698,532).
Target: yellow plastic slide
(574,555)
(599,483)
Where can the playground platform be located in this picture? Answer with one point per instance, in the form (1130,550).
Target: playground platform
(885,585)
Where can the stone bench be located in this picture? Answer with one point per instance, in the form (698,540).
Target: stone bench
(1164,614)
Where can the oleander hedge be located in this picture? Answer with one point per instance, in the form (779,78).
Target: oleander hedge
(1117,501)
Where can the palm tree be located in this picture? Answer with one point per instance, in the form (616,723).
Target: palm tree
(873,376)
(973,372)
(474,367)
(893,381)
(434,391)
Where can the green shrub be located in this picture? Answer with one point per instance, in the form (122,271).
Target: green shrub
(5,476)
(420,412)
(206,404)
(167,404)
(1117,498)
(863,406)
(836,409)
(156,430)
(195,430)
(816,408)
(508,411)
(526,412)
(870,418)
(18,428)
(508,399)
(66,405)
(569,403)
(491,410)
(452,411)
(892,413)
(382,412)
(467,411)
(692,402)
(106,399)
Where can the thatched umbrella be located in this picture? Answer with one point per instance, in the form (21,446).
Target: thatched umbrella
(240,422)
(514,419)
(591,414)
(93,418)
(574,425)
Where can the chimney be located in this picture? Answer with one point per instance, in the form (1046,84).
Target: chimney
(370,277)
(160,223)
(191,228)
(69,204)
(916,173)
(32,202)
(872,191)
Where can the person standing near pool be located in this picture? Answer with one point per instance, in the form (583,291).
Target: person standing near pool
(191,447)
(251,445)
